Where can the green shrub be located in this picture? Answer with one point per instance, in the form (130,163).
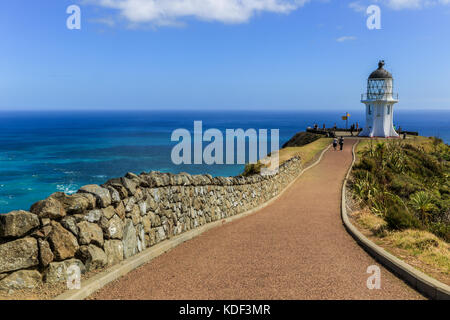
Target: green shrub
(399,218)
(404,185)
(441,229)
(423,203)
(252,168)
(366,164)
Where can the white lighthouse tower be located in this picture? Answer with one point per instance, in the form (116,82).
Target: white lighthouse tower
(379,101)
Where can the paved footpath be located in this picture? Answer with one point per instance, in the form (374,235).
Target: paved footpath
(295,248)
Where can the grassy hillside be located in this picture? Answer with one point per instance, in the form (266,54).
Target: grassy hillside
(406,183)
(306,153)
(403,190)
(301,139)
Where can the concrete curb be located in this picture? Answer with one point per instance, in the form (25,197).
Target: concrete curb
(98,281)
(418,280)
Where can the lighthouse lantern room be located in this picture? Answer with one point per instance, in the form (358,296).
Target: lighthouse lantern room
(379,101)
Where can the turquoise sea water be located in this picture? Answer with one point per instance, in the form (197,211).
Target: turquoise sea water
(45,152)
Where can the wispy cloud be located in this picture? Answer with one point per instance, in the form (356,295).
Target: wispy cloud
(357,6)
(346,38)
(407,4)
(361,5)
(172,12)
(108,21)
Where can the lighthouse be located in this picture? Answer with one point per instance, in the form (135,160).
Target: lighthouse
(379,101)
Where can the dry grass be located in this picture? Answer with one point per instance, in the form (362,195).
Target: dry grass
(419,248)
(425,246)
(368,220)
(424,142)
(306,152)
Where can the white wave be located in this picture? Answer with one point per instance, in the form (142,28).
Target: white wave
(67,189)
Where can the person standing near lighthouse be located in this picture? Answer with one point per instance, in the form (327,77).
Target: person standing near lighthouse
(379,101)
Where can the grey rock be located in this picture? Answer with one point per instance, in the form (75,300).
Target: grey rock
(153,219)
(70,223)
(42,233)
(147,224)
(93,257)
(45,221)
(59,271)
(160,234)
(63,242)
(129,239)
(18,254)
(49,208)
(45,253)
(120,210)
(93,215)
(130,185)
(132,176)
(135,215)
(116,184)
(109,212)
(112,229)
(75,203)
(17,223)
(139,195)
(151,204)
(141,238)
(115,195)
(22,279)
(113,251)
(152,236)
(142,208)
(90,233)
(129,204)
(102,194)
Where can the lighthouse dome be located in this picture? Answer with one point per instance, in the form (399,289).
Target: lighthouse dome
(380,73)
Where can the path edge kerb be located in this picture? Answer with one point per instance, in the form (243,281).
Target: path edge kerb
(418,280)
(100,280)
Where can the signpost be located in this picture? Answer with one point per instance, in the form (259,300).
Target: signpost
(347,115)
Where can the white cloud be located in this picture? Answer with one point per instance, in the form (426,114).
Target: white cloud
(357,6)
(361,5)
(170,12)
(406,4)
(346,38)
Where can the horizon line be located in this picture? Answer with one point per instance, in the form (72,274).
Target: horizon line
(214,109)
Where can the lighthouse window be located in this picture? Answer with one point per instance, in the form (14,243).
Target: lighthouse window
(389,110)
(370,110)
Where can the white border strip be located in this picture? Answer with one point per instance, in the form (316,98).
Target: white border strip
(415,278)
(100,280)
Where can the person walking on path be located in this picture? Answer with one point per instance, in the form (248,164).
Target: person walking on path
(341,143)
(335,143)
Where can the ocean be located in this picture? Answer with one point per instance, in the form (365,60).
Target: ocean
(48,151)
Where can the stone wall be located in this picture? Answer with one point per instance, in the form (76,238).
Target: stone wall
(99,226)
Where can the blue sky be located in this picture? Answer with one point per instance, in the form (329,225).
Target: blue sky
(220,54)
